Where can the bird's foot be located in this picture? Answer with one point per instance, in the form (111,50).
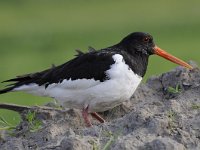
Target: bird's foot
(85,117)
(98,117)
(93,114)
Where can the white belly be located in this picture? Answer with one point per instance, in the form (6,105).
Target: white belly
(99,96)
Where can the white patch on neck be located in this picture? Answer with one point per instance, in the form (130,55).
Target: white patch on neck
(100,96)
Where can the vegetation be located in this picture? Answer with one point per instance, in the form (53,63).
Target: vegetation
(4,125)
(171,120)
(196,106)
(112,138)
(175,90)
(34,124)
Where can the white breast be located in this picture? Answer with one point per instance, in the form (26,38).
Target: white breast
(100,96)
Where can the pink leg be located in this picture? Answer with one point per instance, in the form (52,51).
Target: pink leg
(85,117)
(98,117)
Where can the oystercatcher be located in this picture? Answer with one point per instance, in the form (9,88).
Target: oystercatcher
(97,80)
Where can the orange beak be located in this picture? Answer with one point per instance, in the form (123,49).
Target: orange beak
(164,54)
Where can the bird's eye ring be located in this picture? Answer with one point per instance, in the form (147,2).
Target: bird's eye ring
(146,39)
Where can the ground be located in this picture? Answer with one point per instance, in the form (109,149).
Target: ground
(163,114)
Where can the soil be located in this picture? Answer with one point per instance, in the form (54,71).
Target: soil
(163,114)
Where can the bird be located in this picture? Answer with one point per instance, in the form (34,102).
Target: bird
(97,80)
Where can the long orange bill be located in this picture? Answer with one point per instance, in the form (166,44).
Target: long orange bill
(164,54)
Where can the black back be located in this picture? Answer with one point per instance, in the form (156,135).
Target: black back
(92,65)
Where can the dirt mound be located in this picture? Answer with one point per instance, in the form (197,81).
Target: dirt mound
(163,114)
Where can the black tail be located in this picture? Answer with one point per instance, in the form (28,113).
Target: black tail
(39,78)
(18,81)
(6,90)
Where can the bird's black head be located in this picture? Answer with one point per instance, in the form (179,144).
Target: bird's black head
(141,44)
(138,43)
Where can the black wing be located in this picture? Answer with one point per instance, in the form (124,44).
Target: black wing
(79,52)
(90,65)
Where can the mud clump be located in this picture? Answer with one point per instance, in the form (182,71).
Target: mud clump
(163,114)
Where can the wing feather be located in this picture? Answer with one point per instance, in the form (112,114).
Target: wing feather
(91,65)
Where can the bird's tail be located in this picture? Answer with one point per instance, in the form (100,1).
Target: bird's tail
(24,80)
(6,90)
(18,81)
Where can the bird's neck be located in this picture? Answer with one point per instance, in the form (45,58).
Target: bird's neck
(137,62)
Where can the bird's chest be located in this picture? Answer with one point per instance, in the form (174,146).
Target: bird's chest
(123,77)
(101,96)
(125,82)
(120,87)
(114,91)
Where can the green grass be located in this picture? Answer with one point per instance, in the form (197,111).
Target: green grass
(4,125)
(175,90)
(34,123)
(196,106)
(171,120)
(35,34)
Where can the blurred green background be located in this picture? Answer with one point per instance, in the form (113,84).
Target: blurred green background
(36,34)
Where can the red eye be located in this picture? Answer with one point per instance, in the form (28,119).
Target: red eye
(146,39)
